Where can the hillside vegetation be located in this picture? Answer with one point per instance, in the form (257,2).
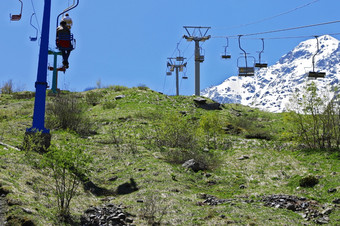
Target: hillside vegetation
(251,168)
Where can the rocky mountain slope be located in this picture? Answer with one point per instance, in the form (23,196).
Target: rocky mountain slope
(271,88)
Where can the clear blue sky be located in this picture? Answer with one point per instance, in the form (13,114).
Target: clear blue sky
(127,42)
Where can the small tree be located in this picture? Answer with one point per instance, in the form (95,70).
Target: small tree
(7,88)
(67,164)
(315,119)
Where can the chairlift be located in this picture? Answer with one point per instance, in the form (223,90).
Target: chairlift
(315,74)
(66,42)
(179,57)
(200,58)
(33,39)
(225,55)
(184,77)
(168,73)
(259,64)
(17,17)
(245,71)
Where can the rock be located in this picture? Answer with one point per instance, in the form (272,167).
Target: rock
(120,97)
(336,201)
(202,103)
(291,207)
(321,221)
(327,211)
(192,164)
(200,100)
(114,178)
(242,186)
(243,157)
(26,210)
(109,214)
(331,190)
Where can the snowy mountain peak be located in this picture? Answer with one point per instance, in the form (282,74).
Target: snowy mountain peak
(270,89)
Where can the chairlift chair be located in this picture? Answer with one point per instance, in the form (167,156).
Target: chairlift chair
(17,17)
(225,55)
(168,73)
(245,71)
(259,64)
(66,42)
(33,39)
(179,58)
(200,57)
(184,77)
(315,74)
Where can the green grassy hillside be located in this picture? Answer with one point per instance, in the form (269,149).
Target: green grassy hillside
(141,138)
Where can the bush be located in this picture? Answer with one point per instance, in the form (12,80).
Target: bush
(109,104)
(66,164)
(176,131)
(68,112)
(309,181)
(7,88)
(92,98)
(118,88)
(210,125)
(314,119)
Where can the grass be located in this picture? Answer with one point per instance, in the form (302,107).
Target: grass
(124,147)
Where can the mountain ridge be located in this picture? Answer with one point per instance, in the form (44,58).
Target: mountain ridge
(271,89)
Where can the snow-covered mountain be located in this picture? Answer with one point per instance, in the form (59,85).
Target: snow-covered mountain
(271,88)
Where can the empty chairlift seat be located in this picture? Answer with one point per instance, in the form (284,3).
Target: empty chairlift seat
(246,71)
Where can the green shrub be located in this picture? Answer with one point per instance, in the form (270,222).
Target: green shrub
(176,131)
(66,164)
(118,88)
(7,88)
(68,112)
(109,104)
(314,119)
(309,181)
(93,98)
(210,126)
(142,87)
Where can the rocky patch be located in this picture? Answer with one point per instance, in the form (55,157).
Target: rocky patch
(308,209)
(107,215)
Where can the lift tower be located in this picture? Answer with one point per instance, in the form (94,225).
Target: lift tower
(38,124)
(176,63)
(201,36)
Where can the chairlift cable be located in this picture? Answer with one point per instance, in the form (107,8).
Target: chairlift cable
(272,17)
(292,28)
(282,30)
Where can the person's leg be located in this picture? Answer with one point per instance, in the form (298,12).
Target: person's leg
(65,57)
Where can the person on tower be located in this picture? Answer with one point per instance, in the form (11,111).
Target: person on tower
(63,42)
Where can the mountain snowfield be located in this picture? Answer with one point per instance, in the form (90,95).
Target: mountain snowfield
(272,88)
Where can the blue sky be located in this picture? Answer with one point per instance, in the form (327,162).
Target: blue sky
(127,42)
